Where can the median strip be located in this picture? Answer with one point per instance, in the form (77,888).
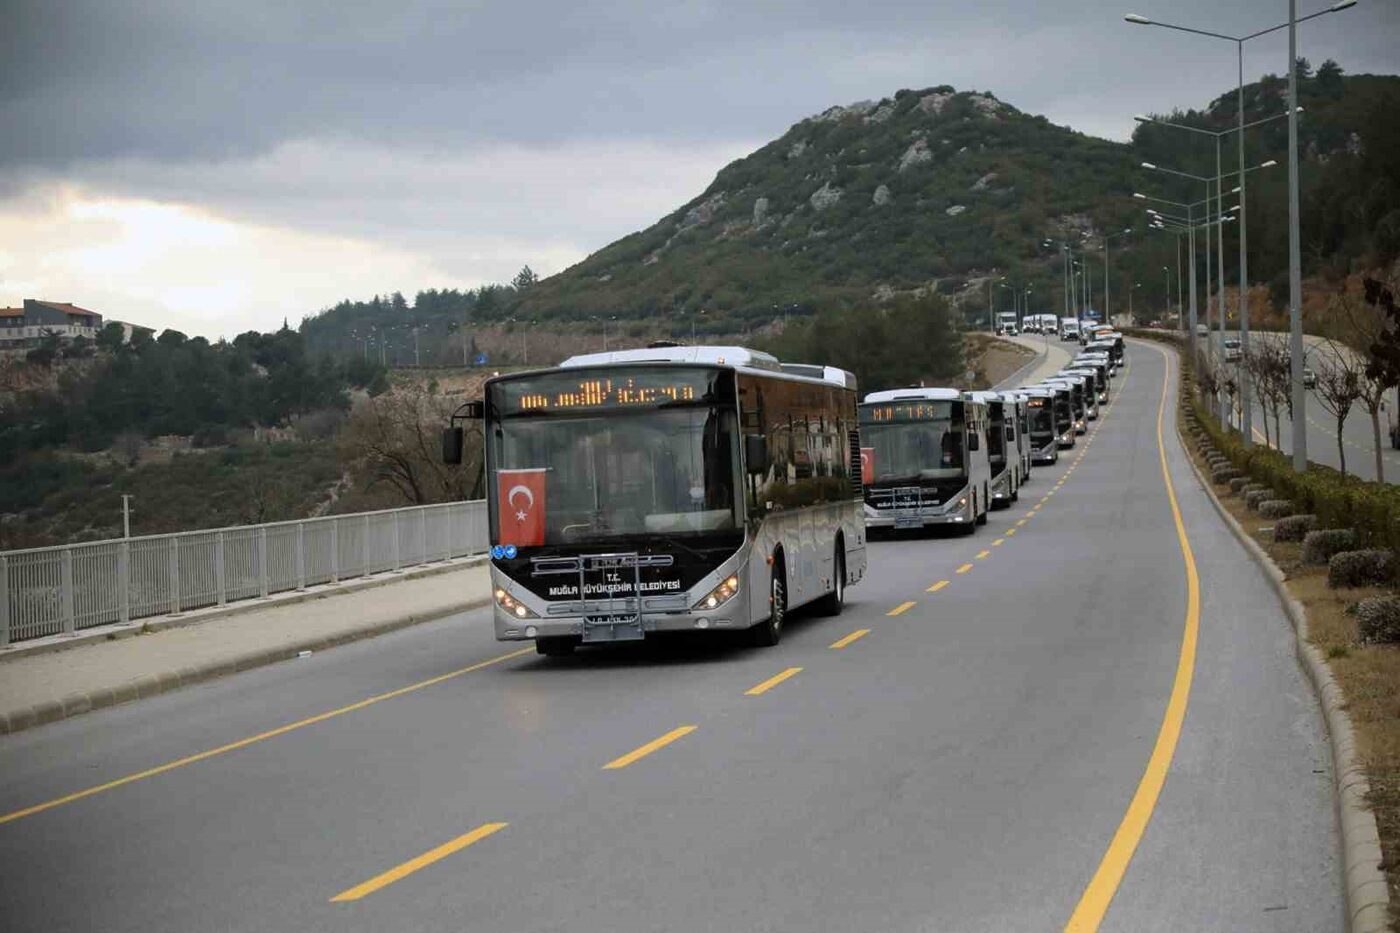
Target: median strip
(771,682)
(422,861)
(654,745)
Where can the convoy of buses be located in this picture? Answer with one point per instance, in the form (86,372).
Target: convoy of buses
(712,488)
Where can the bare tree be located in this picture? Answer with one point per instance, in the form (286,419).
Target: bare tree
(1339,378)
(397,438)
(1361,328)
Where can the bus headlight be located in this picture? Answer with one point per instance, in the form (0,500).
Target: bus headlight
(719,595)
(513,606)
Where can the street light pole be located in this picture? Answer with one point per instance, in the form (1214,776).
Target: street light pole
(1295,261)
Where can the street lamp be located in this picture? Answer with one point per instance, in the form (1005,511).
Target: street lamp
(1107,314)
(1295,287)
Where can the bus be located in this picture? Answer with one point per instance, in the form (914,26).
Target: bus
(701,488)
(1078,405)
(1044,436)
(926,459)
(1003,457)
(1062,409)
(1017,408)
(1089,387)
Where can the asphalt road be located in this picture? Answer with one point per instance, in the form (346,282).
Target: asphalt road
(962,766)
(1358,438)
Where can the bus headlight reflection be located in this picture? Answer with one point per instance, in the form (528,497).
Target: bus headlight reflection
(513,606)
(719,595)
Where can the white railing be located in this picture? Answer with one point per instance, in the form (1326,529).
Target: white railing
(61,590)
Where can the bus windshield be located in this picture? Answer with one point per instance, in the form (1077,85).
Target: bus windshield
(929,447)
(621,474)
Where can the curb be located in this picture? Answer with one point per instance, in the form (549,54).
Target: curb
(18,720)
(1015,377)
(145,625)
(1367,894)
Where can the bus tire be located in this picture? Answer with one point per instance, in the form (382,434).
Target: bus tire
(556,646)
(832,603)
(769,632)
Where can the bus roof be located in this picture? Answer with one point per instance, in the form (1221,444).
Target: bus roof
(737,357)
(916,392)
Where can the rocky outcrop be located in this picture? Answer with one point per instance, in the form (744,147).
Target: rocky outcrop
(955,210)
(882,196)
(824,197)
(838,113)
(934,103)
(917,154)
(702,213)
(797,148)
(760,211)
(880,114)
(985,103)
(982,183)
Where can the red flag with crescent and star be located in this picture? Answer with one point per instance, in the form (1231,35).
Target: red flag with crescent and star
(867,464)
(520,507)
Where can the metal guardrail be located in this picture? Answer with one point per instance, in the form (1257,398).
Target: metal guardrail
(60,590)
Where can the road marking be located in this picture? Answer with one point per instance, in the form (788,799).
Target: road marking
(422,861)
(254,739)
(937,586)
(964,568)
(843,642)
(998,542)
(1010,532)
(1093,904)
(901,608)
(982,554)
(1030,514)
(1021,522)
(771,682)
(653,745)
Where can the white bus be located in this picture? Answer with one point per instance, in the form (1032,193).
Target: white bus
(668,489)
(926,459)
(1003,454)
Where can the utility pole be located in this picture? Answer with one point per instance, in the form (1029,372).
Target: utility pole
(126,515)
(1295,259)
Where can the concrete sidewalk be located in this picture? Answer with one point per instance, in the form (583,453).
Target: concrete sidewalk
(41,687)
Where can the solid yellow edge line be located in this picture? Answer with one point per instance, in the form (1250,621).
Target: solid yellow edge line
(901,608)
(964,568)
(647,749)
(1093,904)
(253,739)
(937,586)
(771,682)
(843,642)
(422,861)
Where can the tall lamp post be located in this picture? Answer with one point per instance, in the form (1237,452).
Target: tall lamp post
(1107,312)
(1295,287)
(1247,424)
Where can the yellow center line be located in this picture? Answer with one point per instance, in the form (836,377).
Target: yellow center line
(771,682)
(901,608)
(937,586)
(422,861)
(653,745)
(982,554)
(254,739)
(843,642)
(964,568)
(1030,513)
(998,542)
(1010,532)
(1021,522)
(1093,904)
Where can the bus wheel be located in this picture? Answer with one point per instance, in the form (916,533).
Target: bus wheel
(832,603)
(556,646)
(767,633)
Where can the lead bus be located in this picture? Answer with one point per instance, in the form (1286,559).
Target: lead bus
(668,489)
(925,459)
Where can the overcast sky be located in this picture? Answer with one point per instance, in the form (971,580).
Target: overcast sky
(217,166)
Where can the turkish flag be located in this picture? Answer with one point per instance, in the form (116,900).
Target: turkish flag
(520,507)
(867,464)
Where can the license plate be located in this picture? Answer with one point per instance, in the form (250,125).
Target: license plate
(908,521)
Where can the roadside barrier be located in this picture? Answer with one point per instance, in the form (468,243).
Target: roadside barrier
(61,590)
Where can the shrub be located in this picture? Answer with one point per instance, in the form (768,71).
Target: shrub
(1253,499)
(1378,619)
(1370,567)
(1319,546)
(1223,475)
(1276,508)
(1238,483)
(1293,527)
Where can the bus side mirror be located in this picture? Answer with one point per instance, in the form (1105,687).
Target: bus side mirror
(973,441)
(452,446)
(756,453)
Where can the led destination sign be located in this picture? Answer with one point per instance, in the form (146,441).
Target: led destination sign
(650,387)
(906,411)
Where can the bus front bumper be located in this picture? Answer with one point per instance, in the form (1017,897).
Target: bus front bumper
(959,514)
(1001,486)
(1046,454)
(727,617)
